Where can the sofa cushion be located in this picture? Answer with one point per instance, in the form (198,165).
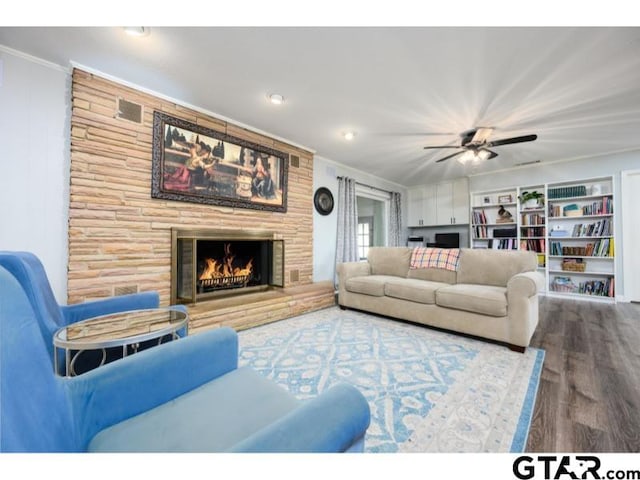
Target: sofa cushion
(389,260)
(432,274)
(483,299)
(368,284)
(420,291)
(493,267)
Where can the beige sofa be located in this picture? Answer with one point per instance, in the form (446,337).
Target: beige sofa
(493,293)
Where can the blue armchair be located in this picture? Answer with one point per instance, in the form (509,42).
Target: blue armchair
(29,271)
(183,396)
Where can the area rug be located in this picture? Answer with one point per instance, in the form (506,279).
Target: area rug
(429,391)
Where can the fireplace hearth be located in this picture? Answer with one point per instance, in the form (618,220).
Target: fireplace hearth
(212,263)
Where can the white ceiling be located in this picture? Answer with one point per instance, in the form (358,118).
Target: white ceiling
(399,88)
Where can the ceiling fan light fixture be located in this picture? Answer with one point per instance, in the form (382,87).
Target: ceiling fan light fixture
(467,157)
(483,154)
(474,156)
(276,99)
(137,31)
(349,135)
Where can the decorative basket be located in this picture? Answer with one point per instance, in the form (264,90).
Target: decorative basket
(563,285)
(574,266)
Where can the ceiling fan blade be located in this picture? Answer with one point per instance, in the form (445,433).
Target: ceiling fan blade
(443,146)
(507,141)
(450,156)
(481,134)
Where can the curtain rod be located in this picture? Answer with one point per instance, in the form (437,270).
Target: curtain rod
(340,177)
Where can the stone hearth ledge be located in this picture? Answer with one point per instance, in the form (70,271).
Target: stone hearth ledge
(252,309)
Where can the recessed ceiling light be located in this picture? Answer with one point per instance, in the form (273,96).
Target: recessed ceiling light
(137,31)
(276,99)
(349,135)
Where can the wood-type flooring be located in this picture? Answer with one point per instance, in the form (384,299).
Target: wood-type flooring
(589,394)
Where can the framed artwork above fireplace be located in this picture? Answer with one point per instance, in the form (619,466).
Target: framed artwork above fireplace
(192,163)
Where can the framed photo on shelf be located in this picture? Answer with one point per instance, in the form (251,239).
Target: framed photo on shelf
(505,199)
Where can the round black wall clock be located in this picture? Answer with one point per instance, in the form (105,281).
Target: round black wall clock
(323,201)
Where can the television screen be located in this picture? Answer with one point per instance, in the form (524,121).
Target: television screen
(448,240)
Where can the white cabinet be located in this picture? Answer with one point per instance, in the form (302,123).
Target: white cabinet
(414,214)
(444,203)
(422,206)
(452,202)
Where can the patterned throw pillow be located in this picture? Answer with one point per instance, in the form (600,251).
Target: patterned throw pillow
(429,257)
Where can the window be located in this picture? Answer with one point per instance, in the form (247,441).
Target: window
(365,236)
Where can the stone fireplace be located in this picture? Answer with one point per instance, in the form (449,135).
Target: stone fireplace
(209,263)
(120,238)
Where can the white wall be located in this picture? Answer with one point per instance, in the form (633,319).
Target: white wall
(34,183)
(610,165)
(325,173)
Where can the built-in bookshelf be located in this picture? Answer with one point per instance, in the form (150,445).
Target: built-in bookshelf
(533,223)
(493,220)
(571,227)
(581,238)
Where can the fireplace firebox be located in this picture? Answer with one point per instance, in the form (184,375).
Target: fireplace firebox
(207,264)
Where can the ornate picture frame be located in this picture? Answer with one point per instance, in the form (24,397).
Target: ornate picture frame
(192,163)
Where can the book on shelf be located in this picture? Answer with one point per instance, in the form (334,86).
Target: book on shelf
(600,288)
(533,231)
(600,207)
(600,228)
(534,245)
(567,192)
(479,217)
(480,231)
(503,244)
(599,248)
(532,219)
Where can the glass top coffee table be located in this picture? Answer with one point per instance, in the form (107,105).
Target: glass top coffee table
(125,330)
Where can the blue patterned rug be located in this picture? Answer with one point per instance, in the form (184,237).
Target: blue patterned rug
(428,391)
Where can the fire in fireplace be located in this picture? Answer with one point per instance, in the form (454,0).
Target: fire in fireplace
(225,272)
(207,263)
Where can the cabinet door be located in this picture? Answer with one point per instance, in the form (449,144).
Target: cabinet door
(429,205)
(460,201)
(444,203)
(414,213)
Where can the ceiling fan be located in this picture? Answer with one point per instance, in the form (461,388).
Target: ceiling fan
(475,147)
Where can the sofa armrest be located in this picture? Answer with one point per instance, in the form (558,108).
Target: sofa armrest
(331,422)
(137,383)
(525,284)
(522,298)
(135,301)
(347,270)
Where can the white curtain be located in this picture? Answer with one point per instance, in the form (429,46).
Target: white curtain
(395,219)
(347,241)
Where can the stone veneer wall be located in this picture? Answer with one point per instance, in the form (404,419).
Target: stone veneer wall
(120,237)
